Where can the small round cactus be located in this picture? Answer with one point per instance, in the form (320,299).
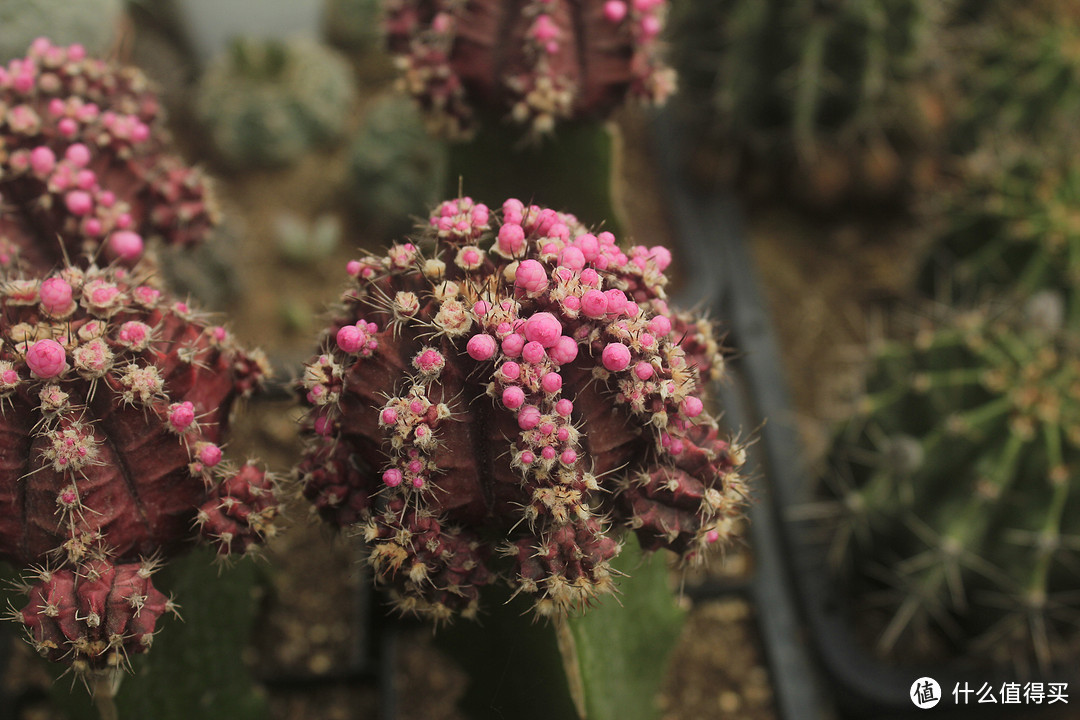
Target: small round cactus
(93,23)
(85,169)
(114,401)
(539,61)
(501,398)
(398,169)
(266,102)
(956,475)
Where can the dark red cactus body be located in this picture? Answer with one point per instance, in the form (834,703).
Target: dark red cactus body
(114,401)
(515,390)
(538,60)
(85,160)
(96,616)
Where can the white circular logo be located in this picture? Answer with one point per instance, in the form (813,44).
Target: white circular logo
(925,693)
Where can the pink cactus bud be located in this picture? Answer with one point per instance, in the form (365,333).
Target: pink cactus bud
(126,245)
(512,345)
(551,382)
(660,325)
(351,339)
(533,352)
(46,359)
(693,406)
(543,328)
(55,296)
(564,407)
(181,415)
(209,454)
(594,304)
(643,370)
(78,155)
(615,357)
(565,350)
(531,277)
(42,160)
(510,370)
(392,477)
(513,397)
(79,202)
(614,11)
(481,347)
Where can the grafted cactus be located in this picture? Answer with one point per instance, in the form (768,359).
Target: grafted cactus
(266,102)
(114,402)
(85,168)
(499,398)
(538,61)
(957,476)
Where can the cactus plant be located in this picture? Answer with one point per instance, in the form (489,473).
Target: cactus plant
(538,62)
(398,170)
(353,24)
(957,475)
(834,87)
(498,397)
(1013,227)
(1024,75)
(93,23)
(266,102)
(85,161)
(114,401)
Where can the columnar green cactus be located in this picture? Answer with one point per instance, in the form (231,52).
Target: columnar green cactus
(514,389)
(957,475)
(266,102)
(808,80)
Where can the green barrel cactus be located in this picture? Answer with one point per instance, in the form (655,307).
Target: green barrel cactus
(266,102)
(397,169)
(91,23)
(956,478)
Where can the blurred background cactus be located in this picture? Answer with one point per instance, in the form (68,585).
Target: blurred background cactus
(267,102)
(95,24)
(838,88)
(955,482)
(398,170)
(353,25)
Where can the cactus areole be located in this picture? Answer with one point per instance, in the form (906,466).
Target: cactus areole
(113,404)
(499,398)
(541,61)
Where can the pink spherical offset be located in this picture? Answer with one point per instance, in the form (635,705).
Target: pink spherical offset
(533,352)
(565,350)
(513,397)
(46,359)
(126,245)
(351,339)
(531,277)
(511,239)
(181,415)
(482,347)
(693,406)
(55,295)
(543,328)
(616,357)
(209,454)
(594,304)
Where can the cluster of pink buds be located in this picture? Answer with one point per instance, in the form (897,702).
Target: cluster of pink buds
(523,393)
(84,167)
(114,400)
(539,60)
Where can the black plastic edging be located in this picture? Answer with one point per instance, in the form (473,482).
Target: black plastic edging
(710,237)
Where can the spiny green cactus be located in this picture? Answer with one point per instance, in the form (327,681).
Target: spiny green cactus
(957,476)
(92,23)
(1023,74)
(1014,227)
(805,79)
(398,170)
(266,102)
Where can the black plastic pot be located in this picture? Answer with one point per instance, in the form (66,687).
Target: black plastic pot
(818,665)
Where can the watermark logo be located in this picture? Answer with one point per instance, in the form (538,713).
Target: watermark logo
(925,693)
